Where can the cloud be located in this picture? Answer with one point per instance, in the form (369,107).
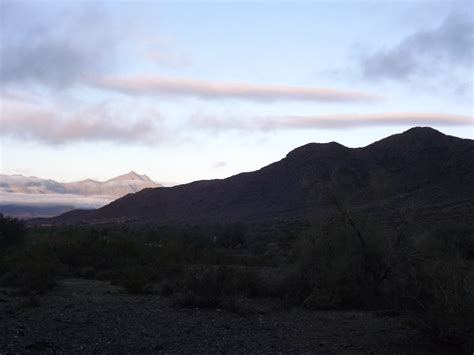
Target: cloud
(71,44)
(161,50)
(268,123)
(78,201)
(20,96)
(155,85)
(219,164)
(53,63)
(426,53)
(93,124)
(77,45)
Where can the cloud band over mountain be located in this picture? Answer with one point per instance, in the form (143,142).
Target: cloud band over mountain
(98,123)
(155,85)
(332,121)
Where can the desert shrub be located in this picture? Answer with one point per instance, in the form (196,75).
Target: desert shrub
(32,270)
(206,287)
(88,273)
(216,286)
(449,241)
(172,253)
(96,252)
(228,235)
(12,232)
(437,283)
(444,294)
(293,287)
(137,280)
(332,268)
(167,287)
(247,283)
(224,257)
(131,263)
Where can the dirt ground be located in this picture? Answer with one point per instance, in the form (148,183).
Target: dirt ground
(83,316)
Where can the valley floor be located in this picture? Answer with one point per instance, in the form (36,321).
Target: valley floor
(83,316)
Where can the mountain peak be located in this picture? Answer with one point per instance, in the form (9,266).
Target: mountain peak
(423,131)
(317,148)
(131,176)
(414,137)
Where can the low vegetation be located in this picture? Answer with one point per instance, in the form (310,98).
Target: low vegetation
(12,232)
(427,274)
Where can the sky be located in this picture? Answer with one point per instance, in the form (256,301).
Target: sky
(183,91)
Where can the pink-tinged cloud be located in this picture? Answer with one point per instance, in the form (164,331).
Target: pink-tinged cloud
(332,121)
(155,85)
(94,124)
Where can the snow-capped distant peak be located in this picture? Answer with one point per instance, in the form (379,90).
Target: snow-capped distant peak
(116,187)
(131,176)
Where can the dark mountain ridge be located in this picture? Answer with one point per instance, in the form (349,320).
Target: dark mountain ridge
(421,170)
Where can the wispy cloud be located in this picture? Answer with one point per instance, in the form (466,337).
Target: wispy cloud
(161,50)
(219,164)
(20,96)
(427,53)
(93,124)
(268,123)
(155,85)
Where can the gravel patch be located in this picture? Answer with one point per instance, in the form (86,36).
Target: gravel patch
(84,316)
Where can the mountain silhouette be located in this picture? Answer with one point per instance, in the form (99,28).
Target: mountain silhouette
(421,170)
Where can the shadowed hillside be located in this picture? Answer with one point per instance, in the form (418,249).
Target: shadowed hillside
(420,170)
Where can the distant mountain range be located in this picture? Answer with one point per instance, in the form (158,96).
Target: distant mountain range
(29,196)
(420,173)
